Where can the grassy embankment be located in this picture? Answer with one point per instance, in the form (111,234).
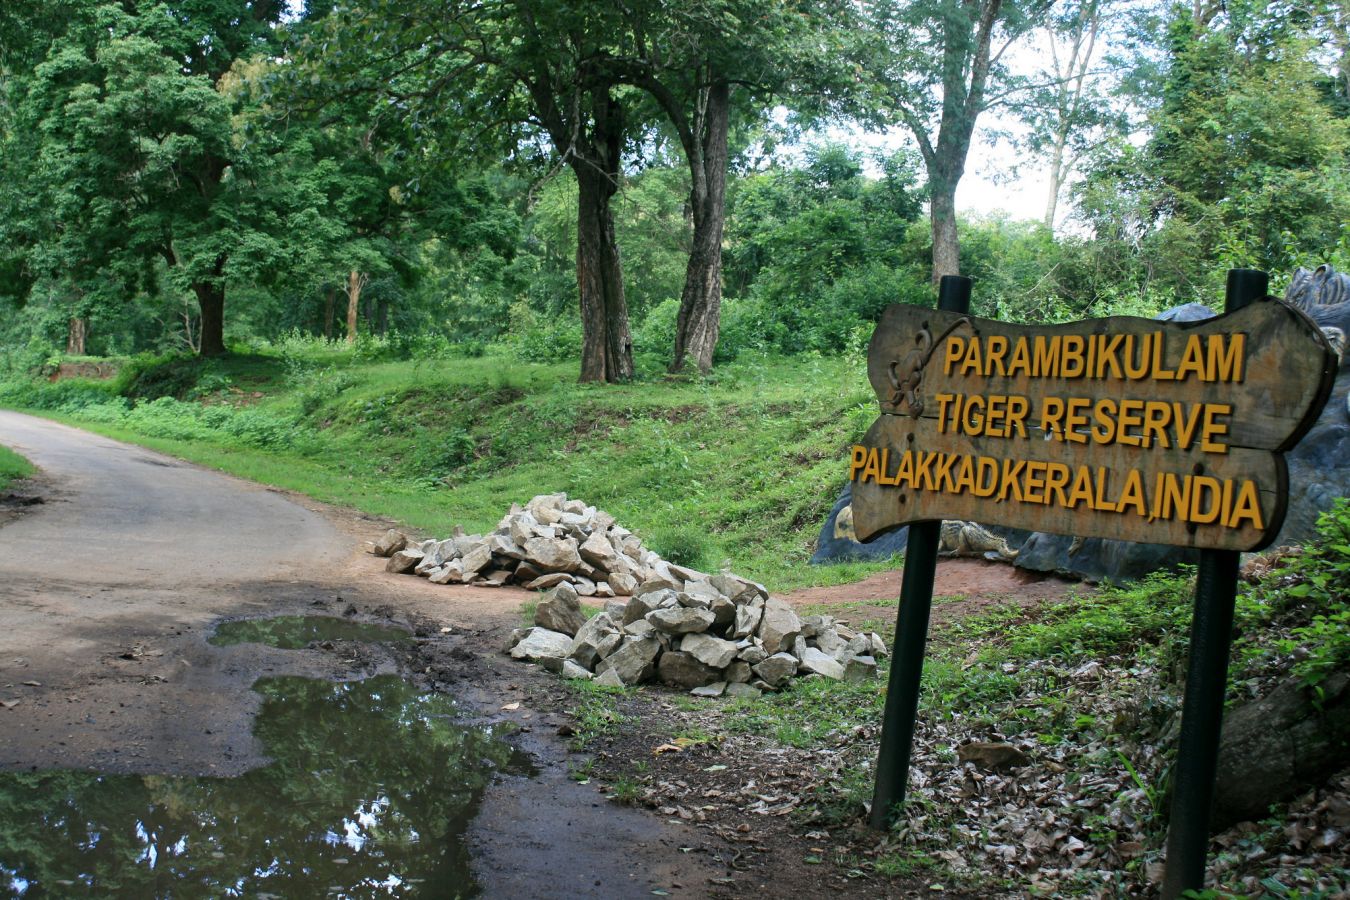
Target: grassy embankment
(742,466)
(12,467)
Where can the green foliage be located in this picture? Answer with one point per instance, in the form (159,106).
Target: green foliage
(685,546)
(13,467)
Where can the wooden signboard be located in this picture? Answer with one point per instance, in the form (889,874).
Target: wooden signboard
(1123,428)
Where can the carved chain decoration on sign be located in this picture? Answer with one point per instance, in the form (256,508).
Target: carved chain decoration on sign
(1122,428)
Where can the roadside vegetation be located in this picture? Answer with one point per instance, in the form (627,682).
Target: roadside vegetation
(1088,689)
(12,467)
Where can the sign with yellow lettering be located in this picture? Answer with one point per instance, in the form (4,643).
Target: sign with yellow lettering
(1123,428)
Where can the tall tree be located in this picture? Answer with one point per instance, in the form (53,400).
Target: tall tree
(933,63)
(477,77)
(138,158)
(702,64)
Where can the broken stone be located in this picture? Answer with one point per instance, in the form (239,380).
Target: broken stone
(598,551)
(609,678)
(623,583)
(556,555)
(991,756)
(739,671)
(603,590)
(451,572)
(584,586)
(709,650)
(403,561)
(544,582)
(597,638)
(813,626)
(539,644)
(497,577)
(503,545)
(680,620)
(747,691)
(392,542)
(633,660)
(640,628)
(820,662)
(737,590)
(777,669)
(860,668)
(523,528)
(710,690)
(684,573)
(477,559)
(684,670)
(560,610)
(878,646)
(779,626)
(753,655)
(830,642)
(724,612)
(748,618)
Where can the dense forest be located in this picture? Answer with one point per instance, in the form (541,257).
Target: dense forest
(645,186)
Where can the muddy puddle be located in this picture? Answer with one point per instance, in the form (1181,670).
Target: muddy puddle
(297,632)
(371,787)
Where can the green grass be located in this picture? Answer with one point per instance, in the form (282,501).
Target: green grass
(13,467)
(740,467)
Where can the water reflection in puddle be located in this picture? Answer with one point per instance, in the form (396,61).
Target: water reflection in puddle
(296,632)
(369,793)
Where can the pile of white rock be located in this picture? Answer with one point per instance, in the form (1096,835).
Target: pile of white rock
(550,541)
(716,634)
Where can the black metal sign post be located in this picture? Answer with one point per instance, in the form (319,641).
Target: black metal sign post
(911,632)
(1206,681)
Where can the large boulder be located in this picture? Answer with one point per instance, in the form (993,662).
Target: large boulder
(560,610)
(709,650)
(684,670)
(392,542)
(633,662)
(553,554)
(680,619)
(541,645)
(779,627)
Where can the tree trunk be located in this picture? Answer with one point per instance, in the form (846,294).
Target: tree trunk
(699,321)
(355,281)
(607,348)
(1056,179)
(382,317)
(942,216)
(211,300)
(329,301)
(77,331)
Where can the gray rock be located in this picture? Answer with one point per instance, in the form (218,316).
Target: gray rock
(738,590)
(599,552)
(634,660)
(680,620)
(777,669)
(820,662)
(584,586)
(560,610)
(739,671)
(640,628)
(503,545)
(522,528)
(553,555)
(753,655)
(860,668)
(799,646)
(724,612)
(684,573)
(623,583)
(539,644)
(743,691)
(609,678)
(392,542)
(403,561)
(710,690)
(779,626)
(748,617)
(598,637)
(709,650)
(614,609)
(571,670)
(833,644)
(497,577)
(477,559)
(638,607)
(544,582)
(603,590)
(525,573)
(860,645)
(879,649)
(681,669)
(430,561)
(703,593)
(815,625)
(657,583)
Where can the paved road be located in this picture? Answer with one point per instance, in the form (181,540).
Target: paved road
(125,515)
(109,589)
